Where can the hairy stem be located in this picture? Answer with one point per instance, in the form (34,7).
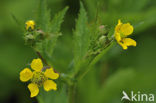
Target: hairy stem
(94,61)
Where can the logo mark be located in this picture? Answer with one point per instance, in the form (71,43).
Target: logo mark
(137,96)
(125,96)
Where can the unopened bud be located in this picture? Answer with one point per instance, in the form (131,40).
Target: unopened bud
(102,29)
(30,25)
(102,40)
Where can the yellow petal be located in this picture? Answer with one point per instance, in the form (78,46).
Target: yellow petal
(123,45)
(129,42)
(49,85)
(36,64)
(25,75)
(119,22)
(30,24)
(117,36)
(126,29)
(118,26)
(49,73)
(34,90)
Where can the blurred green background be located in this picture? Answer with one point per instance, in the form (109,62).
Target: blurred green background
(118,70)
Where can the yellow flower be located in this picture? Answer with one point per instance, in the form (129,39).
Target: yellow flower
(121,33)
(30,24)
(38,77)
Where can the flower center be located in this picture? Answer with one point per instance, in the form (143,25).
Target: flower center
(38,78)
(122,35)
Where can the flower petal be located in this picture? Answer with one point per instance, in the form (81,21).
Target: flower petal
(123,45)
(117,36)
(118,26)
(129,42)
(119,22)
(36,64)
(49,85)
(49,73)
(34,90)
(126,29)
(25,75)
(30,24)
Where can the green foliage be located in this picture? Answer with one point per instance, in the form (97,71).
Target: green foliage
(43,16)
(59,96)
(57,20)
(94,68)
(50,28)
(89,41)
(55,31)
(81,36)
(81,41)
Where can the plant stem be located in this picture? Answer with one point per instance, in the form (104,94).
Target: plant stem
(94,61)
(40,100)
(71,93)
(40,56)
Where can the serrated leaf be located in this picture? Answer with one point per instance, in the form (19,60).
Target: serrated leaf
(55,30)
(43,16)
(57,21)
(81,35)
(46,46)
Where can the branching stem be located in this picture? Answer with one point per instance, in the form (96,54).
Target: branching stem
(40,56)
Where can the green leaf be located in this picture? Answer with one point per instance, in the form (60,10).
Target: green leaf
(95,59)
(43,16)
(81,36)
(59,96)
(46,47)
(57,21)
(55,30)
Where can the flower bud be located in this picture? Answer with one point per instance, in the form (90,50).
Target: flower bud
(102,40)
(30,25)
(102,29)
